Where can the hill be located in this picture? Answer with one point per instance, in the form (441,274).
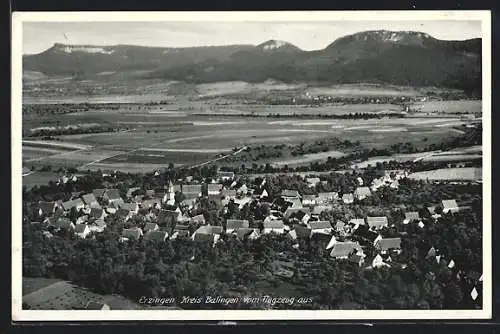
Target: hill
(381,56)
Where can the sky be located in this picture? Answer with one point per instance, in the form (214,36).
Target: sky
(39,36)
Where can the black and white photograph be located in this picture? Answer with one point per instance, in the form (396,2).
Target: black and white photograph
(251,165)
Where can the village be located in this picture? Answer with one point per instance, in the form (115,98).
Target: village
(230,206)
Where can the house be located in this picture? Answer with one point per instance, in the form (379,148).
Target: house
(48,208)
(263,194)
(98,226)
(233,225)
(151,227)
(361,193)
(295,203)
(412,216)
(274,226)
(154,203)
(247,233)
(378,262)
(131,191)
(242,201)
(214,188)
(340,226)
(96,213)
(132,233)
(327,197)
(156,236)
(321,226)
(331,243)
(313,181)
(318,209)
(450,206)
(207,232)
(76,203)
(190,203)
(302,231)
(90,201)
(116,204)
(224,176)
(92,305)
(98,193)
(377,222)
(363,233)
(385,245)
(343,249)
(168,216)
(348,198)
(131,208)
(198,219)
(394,185)
(356,258)
(63,223)
(82,230)
(290,194)
(242,190)
(309,200)
(191,190)
(228,193)
(111,195)
(82,219)
(376,184)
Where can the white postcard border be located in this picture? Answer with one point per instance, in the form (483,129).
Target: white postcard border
(285,16)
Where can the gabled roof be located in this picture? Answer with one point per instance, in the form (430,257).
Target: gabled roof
(80,228)
(357,221)
(130,191)
(212,187)
(450,204)
(348,197)
(302,231)
(72,204)
(413,215)
(134,232)
(376,221)
(237,223)
(156,236)
(313,180)
(321,224)
(150,226)
(296,202)
(191,188)
(96,212)
(99,223)
(228,192)
(128,206)
(244,232)
(274,224)
(389,243)
(318,209)
(308,198)
(89,198)
(328,195)
(63,222)
(198,219)
(98,192)
(362,191)
(290,193)
(343,249)
(112,194)
(47,207)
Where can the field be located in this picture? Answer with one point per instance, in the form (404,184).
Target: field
(472,106)
(188,133)
(53,294)
(465,174)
